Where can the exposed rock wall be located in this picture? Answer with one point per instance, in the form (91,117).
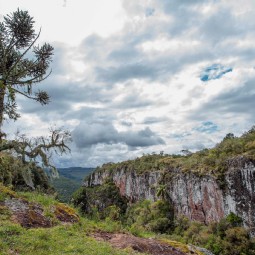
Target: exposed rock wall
(197,197)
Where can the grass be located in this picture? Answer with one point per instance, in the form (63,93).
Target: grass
(58,240)
(45,200)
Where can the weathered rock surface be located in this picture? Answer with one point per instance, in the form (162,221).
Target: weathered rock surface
(145,245)
(29,215)
(200,198)
(32,215)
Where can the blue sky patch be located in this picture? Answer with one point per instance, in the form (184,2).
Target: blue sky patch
(207,127)
(215,71)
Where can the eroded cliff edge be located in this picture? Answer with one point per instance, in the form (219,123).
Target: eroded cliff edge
(201,197)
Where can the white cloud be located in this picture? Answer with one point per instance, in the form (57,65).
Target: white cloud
(71,21)
(136,66)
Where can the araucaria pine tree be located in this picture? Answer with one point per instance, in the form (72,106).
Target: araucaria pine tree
(23,65)
(18,72)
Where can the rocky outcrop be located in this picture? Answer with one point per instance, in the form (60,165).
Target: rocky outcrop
(32,215)
(29,215)
(199,197)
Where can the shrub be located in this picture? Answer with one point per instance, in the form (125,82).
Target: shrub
(100,201)
(234,220)
(152,216)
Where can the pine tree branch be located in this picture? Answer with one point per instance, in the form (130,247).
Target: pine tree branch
(23,54)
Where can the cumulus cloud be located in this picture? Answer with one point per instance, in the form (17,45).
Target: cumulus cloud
(235,102)
(87,135)
(153,120)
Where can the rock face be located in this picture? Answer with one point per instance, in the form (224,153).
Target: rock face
(199,198)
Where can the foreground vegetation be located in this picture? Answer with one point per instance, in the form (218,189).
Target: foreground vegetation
(59,239)
(145,219)
(73,238)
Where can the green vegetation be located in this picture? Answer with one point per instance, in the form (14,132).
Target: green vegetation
(72,240)
(148,216)
(223,238)
(65,187)
(22,175)
(101,201)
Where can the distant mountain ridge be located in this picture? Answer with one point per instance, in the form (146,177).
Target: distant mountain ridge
(70,179)
(75,173)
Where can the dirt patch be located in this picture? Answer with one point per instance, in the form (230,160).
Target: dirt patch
(143,245)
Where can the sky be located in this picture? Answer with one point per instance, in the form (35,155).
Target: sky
(132,77)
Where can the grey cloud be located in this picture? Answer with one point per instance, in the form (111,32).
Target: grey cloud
(124,54)
(220,26)
(142,138)
(133,99)
(194,146)
(237,101)
(153,120)
(126,123)
(118,58)
(126,72)
(86,135)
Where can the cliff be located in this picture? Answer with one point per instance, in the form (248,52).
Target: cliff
(200,197)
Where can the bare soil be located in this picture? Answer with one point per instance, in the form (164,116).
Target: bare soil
(143,245)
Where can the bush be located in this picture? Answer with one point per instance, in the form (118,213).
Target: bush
(222,238)
(234,220)
(152,216)
(101,201)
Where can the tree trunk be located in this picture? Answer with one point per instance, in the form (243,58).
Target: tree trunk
(2,93)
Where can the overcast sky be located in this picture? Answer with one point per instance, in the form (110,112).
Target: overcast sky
(141,76)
